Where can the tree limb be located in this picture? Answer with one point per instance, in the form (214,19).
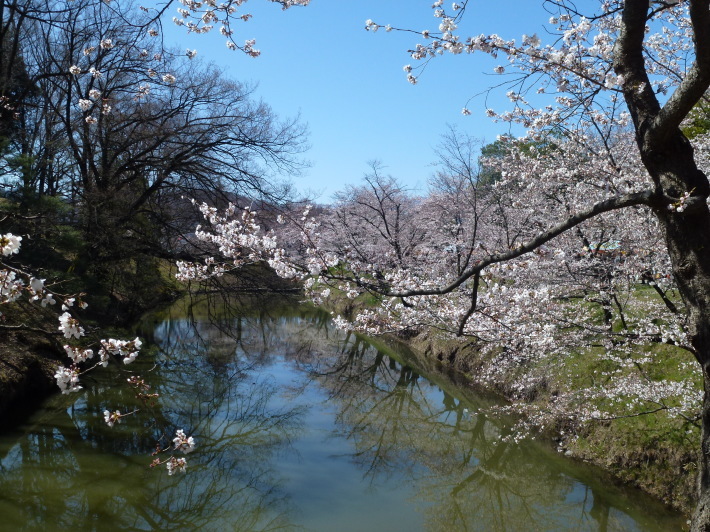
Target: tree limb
(696,81)
(619,202)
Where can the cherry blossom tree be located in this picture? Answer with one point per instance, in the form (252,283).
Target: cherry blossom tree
(518,249)
(655,55)
(378,217)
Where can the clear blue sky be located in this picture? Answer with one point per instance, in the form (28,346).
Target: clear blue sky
(349,87)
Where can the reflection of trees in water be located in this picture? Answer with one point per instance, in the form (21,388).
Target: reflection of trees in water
(53,478)
(471,477)
(249,330)
(71,471)
(231,411)
(209,375)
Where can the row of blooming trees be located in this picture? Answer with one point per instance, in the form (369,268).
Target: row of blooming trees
(605,284)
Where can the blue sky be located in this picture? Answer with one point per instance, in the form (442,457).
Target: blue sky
(349,87)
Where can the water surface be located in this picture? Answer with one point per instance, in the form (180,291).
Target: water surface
(298,427)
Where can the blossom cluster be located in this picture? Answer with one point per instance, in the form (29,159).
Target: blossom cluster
(235,236)
(181,442)
(203,17)
(572,61)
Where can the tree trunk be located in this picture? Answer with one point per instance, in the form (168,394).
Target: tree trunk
(670,161)
(690,254)
(687,237)
(701,515)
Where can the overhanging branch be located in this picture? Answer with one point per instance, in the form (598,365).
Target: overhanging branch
(618,202)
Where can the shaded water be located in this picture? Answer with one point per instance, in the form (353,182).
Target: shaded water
(298,427)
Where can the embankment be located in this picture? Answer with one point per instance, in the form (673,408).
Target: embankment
(635,451)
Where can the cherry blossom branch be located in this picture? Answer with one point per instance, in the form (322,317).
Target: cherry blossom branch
(619,202)
(28,328)
(635,414)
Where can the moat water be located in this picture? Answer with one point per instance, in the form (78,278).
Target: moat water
(298,426)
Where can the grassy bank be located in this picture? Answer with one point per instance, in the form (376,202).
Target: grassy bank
(653,451)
